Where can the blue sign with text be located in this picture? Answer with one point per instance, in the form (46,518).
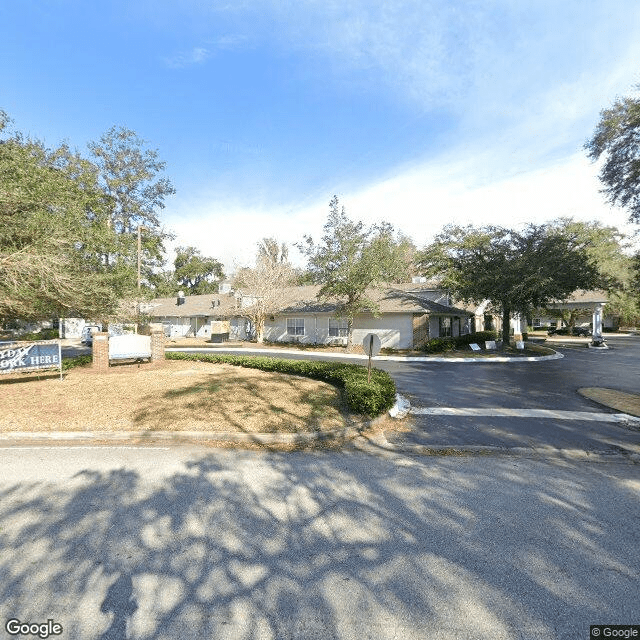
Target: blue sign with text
(27,356)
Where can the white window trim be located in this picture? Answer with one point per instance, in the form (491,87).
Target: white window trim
(295,327)
(341,327)
(442,330)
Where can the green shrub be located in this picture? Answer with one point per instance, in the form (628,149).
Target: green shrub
(370,399)
(78,361)
(480,336)
(43,334)
(439,345)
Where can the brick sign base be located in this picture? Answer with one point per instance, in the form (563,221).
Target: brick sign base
(101,349)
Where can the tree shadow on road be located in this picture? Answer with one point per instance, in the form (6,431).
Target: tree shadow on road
(253,546)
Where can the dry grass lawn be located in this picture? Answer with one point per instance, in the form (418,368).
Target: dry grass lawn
(619,400)
(172,395)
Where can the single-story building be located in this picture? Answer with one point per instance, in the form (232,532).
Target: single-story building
(582,305)
(409,315)
(192,316)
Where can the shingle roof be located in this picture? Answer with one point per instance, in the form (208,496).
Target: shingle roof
(582,298)
(406,298)
(200,305)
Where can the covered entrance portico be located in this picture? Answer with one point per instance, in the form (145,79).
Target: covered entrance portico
(581,308)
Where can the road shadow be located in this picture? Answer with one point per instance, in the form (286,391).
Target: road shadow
(257,546)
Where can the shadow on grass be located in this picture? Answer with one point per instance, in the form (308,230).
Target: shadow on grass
(244,403)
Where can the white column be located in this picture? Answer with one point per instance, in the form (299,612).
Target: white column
(516,323)
(597,322)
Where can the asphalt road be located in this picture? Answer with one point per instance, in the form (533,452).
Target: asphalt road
(494,387)
(546,385)
(168,544)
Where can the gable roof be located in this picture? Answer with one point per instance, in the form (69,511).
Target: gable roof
(580,299)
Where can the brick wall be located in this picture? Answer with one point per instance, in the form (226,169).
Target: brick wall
(420,329)
(157,346)
(100,351)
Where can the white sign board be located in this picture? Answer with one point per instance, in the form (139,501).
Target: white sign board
(371,345)
(474,346)
(520,344)
(490,344)
(129,346)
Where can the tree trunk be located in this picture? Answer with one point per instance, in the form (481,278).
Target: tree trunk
(506,326)
(572,321)
(349,334)
(259,330)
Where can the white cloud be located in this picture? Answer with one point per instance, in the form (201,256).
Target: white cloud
(197,55)
(231,233)
(524,83)
(419,202)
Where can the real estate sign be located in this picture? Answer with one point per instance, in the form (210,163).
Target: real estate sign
(18,357)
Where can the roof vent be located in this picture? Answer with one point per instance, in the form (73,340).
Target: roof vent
(215,302)
(180,297)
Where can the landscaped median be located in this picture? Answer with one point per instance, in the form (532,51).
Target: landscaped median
(367,398)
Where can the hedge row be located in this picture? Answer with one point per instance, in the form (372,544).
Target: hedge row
(438,345)
(76,361)
(369,399)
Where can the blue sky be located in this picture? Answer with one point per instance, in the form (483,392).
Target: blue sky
(418,112)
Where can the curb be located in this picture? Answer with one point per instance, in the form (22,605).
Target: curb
(179,436)
(355,356)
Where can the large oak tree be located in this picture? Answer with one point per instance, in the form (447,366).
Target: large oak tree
(131,176)
(515,271)
(69,224)
(195,273)
(52,233)
(617,140)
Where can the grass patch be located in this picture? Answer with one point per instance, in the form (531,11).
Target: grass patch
(77,361)
(174,396)
(626,402)
(366,398)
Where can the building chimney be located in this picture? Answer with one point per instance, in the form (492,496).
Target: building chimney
(180,297)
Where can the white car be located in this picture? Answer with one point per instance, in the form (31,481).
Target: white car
(87,333)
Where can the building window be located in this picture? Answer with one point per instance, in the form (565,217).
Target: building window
(295,326)
(338,328)
(537,322)
(445,327)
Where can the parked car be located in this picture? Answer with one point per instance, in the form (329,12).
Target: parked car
(564,331)
(87,333)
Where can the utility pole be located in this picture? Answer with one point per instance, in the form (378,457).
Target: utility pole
(140,229)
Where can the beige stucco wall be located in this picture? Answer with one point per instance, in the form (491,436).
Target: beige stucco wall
(395,330)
